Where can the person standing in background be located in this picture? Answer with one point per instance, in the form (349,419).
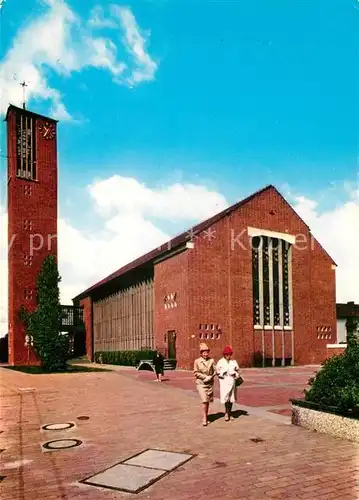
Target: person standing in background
(159,363)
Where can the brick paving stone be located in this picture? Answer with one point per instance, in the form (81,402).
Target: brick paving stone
(261,388)
(128,414)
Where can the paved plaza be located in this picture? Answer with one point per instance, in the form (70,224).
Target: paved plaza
(133,429)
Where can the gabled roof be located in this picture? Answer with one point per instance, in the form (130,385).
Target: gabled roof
(175,242)
(180,240)
(31,113)
(350,309)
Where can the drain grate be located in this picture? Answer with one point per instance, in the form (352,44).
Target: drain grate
(138,472)
(83,417)
(257,440)
(58,427)
(61,444)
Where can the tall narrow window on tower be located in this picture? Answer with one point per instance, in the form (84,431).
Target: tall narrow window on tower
(272,283)
(26,146)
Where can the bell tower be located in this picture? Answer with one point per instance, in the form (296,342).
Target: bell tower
(32,216)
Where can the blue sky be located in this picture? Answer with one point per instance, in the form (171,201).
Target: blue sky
(246,92)
(237,95)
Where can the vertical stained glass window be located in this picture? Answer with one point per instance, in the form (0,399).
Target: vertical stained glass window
(285,267)
(266,287)
(271,268)
(276,298)
(256,242)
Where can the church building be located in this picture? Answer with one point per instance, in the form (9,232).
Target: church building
(252,276)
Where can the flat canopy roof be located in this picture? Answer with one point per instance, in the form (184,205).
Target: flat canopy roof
(348,310)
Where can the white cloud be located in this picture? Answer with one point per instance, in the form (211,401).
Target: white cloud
(131,215)
(102,53)
(135,43)
(98,19)
(337,231)
(60,41)
(174,202)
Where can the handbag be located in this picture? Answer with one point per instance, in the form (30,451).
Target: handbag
(239,381)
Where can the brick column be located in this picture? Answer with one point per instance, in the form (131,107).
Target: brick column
(87,305)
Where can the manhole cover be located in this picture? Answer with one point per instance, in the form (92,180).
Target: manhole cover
(83,417)
(61,444)
(257,440)
(58,427)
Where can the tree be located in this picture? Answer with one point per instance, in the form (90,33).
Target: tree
(43,324)
(352,327)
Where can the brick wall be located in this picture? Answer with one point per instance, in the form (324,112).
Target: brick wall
(34,201)
(210,276)
(171,275)
(88,322)
(323,308)
(219,287)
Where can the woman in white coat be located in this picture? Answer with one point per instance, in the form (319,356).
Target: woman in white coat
(228,372)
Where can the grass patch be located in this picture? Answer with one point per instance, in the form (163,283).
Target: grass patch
(37,370)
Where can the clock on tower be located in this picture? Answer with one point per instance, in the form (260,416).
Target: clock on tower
(48,130)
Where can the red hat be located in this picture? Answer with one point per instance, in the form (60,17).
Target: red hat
(227,350)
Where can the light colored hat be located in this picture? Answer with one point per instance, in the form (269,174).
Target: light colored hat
(203,347)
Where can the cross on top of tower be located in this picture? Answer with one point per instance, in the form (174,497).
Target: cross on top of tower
(23,85)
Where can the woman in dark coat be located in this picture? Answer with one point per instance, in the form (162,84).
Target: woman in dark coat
(158,363)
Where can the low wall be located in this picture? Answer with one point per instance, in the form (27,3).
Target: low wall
(335,349)
(326,423)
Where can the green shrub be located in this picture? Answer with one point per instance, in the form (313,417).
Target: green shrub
(124,358)
(337,383)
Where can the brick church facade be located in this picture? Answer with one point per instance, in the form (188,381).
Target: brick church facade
(252,276)
(32,216)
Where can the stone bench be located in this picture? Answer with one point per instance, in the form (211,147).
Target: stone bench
(146,364)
